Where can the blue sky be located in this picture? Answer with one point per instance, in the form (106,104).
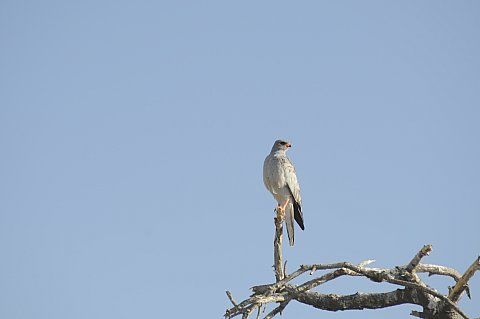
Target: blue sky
(133,136)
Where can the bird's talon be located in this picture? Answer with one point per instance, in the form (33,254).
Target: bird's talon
(280,213)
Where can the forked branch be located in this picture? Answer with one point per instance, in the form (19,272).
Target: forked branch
(411,289)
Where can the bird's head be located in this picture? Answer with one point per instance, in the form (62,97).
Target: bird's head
(281,145)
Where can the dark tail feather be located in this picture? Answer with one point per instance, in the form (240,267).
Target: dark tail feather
(298,215)
(297,209)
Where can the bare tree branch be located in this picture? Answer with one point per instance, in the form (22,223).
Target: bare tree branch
(462,284)
(259,311)
(416,260)
(438,270)
(229,295)
(277,310)
(413,289)
(358,301)
(277,247)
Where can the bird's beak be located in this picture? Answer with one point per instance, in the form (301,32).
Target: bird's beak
(288,145)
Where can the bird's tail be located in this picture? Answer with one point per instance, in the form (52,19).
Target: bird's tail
(289,221)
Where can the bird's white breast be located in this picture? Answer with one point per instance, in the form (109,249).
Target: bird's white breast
(274,177)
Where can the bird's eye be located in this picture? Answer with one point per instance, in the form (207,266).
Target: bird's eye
(283,143)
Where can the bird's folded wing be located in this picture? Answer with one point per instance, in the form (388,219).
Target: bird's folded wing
(294,189)
(291,179)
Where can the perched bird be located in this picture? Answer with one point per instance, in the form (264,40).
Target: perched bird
(280,179)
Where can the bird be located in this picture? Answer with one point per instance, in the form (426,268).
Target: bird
(280,179)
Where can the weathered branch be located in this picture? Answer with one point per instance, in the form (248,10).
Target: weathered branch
(229,295)
(438,270)
(413,290)
(377,276)
(358,301)
(277,310)
(416,260)
(277,247)
(462,284)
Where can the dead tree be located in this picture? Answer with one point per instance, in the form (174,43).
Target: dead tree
(412,290)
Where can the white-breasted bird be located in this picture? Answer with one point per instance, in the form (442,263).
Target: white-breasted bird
(280,179)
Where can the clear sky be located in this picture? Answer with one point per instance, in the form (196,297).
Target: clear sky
(133,134)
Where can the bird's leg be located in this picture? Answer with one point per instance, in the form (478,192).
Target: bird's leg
(285,205)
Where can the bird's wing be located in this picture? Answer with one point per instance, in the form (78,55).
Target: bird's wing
(294,190)
(291,179)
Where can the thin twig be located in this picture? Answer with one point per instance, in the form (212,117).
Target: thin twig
(259,310)
(322,279)
(229,295)
(461,285)
(366,262)
(277,310)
